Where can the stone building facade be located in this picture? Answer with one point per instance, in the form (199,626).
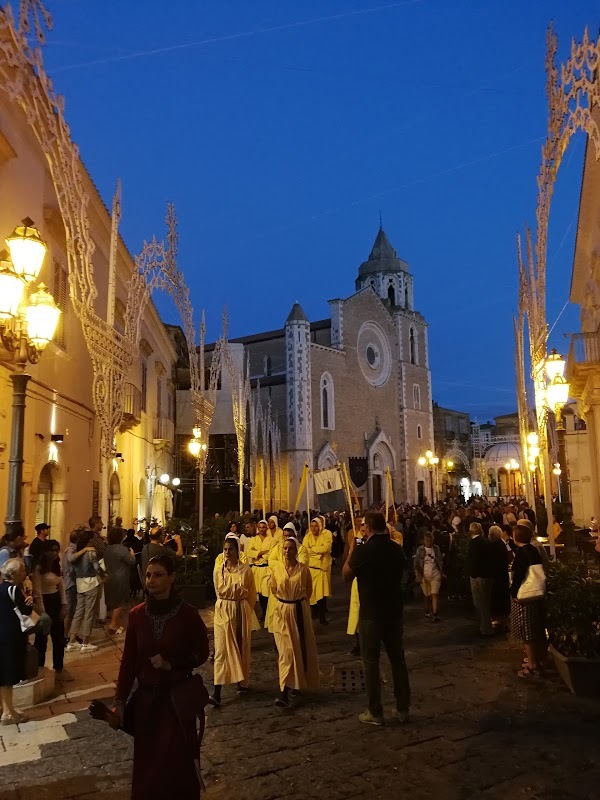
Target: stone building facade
(353,388)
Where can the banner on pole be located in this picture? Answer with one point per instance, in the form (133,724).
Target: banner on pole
(358,468)
(330,490)
(301,488)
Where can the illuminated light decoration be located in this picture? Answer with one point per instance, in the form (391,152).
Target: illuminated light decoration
(53,452)
(164,478)
(557,393)
(11,290)
(555,365)
(194,447)
(42,315)
(176,481)
(27,250)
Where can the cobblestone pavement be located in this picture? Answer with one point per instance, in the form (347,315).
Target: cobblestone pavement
(477,731)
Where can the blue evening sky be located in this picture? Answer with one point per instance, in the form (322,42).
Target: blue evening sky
(280,128)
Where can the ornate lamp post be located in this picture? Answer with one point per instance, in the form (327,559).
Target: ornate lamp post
(197,448)
(430,461)
(28,319)
(557,396)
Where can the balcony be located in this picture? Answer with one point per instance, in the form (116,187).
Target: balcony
(164,431)
(132,407)
(583,360)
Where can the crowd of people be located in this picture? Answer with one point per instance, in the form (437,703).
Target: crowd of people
(273,573)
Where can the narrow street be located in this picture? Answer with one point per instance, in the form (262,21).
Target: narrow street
(476,730)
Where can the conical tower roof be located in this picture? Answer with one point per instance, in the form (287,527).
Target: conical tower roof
(296,314)
(383,257)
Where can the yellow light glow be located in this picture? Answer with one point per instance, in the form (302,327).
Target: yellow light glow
(557,392)
(164,478)
(194,447)
(434,460)
(197,433)
(27,250)
(450,464)
(514,464)
(421,461)
(53,452)
(534,451)
(11,291)
(555,366)
(507,466)
(428,454)
(42,317)
(532,438)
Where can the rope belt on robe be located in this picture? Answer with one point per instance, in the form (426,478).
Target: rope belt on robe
(319,568)
(239,637)
(300,623)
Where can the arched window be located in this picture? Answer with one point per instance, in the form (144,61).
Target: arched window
(413,346)
(268,366)
(416,397)
(327,403)
(392,294)
(406,297)
(419,432)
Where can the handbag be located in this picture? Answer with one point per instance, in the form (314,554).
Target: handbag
(534,585)
(27,621)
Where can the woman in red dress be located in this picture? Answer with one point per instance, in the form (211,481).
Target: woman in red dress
(166,640)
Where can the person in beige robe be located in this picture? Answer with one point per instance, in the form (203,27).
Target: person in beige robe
(234,620)
(276,555)
(292,624)
(258,557)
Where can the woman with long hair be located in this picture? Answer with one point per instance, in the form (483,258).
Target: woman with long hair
(166,640)
(291,584)
(49,596)
(234,619)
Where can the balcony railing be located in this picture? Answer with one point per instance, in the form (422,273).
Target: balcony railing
(585,348)
(132,407)
(163,429)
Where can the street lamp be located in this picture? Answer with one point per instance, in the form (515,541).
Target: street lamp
(28,320)
(557,396)
(431,461)
(197,448)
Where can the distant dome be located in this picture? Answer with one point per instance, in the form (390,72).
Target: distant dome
(500,454)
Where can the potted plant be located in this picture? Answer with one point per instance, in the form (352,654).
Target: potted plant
(573,622)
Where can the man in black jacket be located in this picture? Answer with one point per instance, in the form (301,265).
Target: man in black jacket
(480,569)
(378,565)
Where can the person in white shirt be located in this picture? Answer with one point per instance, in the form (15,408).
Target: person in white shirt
(428,572)
(249,533)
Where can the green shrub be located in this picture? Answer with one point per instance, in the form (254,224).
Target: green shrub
(573,610)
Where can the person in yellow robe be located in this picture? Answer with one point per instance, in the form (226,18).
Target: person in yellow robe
(274,530)
(353,611)
(234,620)
(276,555)
(292,624)
(258,557)
(221,557)
(318,544)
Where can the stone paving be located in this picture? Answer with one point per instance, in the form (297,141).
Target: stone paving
(477,731)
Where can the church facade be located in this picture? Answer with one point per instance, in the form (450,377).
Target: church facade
(353,388)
